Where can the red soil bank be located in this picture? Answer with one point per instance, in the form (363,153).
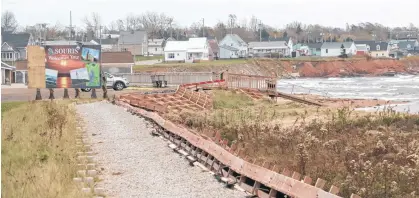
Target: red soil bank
(356,68)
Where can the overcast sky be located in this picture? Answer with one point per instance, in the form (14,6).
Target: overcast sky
(275,13)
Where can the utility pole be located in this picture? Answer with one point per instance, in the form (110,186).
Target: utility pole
(203,27)
(260,30)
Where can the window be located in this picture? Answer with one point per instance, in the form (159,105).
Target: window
(383,54)
(177,54)
(171,55)
(155,49)
(378,47)
(327,50)
(408,46)
(368,47)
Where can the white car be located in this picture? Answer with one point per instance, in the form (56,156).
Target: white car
(114,82)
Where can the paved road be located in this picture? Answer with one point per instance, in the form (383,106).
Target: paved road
(133,163)
(24,94)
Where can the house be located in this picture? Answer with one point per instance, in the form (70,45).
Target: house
(334,49)
(376,49)
(314,49)
(6,73)
(408,45)
(195,49)
(133,41)
(265,48)
(13,46)
(237,48)
(214,49)
(108,44)
(117,62)
(155,47)
(361,49)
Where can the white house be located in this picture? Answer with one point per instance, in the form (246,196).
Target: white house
(334,49)
(268,47)
(187,51)
(232,46)
(155,46)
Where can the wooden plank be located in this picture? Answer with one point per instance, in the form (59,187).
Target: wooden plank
(36,67)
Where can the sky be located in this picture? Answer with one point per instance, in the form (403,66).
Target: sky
(275,13)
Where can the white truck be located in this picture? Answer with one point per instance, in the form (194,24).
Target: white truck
(114,82)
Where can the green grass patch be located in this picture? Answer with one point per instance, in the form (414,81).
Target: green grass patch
(7,106)
(144,58)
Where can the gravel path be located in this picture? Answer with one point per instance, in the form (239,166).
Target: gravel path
(136,164)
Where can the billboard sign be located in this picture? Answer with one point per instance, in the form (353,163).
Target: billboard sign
(72,66)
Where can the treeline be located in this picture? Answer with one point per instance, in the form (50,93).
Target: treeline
(160,25)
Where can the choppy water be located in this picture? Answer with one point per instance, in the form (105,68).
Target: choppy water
(398,88)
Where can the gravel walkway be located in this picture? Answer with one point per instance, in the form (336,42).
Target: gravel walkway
(136,164)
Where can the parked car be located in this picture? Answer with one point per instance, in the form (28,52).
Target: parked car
(114,82)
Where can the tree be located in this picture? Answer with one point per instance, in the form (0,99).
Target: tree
(264,34)
(342,50)
(220,30)
(285,35)
(8,21)
(232,22)
(93,24)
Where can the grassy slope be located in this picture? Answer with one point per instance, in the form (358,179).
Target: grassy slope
(38,150)
(141,68)
(378,153)
(143,58)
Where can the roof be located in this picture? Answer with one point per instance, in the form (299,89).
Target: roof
(373,45)
(404,44)
(229,48)
(236,38)
(213,44)
(314,45)
(176,46)
(15,40)
(335,45)
(63,42)
(6,66)
(132,37)
(197,43)
(117,57)
(276,39)
(274,44)
(107,41)
(155,42)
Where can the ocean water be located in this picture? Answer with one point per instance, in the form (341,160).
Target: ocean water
(397,88)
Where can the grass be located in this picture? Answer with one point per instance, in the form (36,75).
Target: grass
(144,58)
(193,66)
(7,106)
(38,150)
(372,155)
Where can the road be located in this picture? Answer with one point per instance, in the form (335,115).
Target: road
(25,94)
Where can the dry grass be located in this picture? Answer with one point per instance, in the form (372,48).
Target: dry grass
(373,155)
(38,151)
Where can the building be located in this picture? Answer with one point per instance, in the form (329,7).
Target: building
(117,62)
(232,46)
(6,73)
(314,49)
(108,44)
(214,49)
(361,49)
(266,48)
(408,45)
(133,41)
(13,46)
(376,49)
(334,49)
(155,47)
(193,50)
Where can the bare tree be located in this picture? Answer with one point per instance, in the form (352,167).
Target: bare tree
(232,18)
(93,23)
(8,21)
